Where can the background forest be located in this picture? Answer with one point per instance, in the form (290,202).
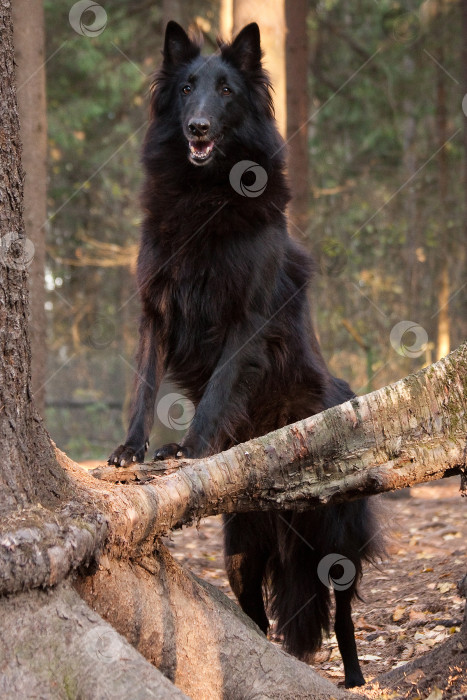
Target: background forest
(382,204)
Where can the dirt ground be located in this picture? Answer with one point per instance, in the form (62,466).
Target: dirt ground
(410,605)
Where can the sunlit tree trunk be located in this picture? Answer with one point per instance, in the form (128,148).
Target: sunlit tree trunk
(271,19)
(226,19)
(296,13)
(444,286)
(28,18)
(464,93)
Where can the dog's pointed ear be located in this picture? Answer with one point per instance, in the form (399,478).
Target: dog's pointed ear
(178,47)
(245,50)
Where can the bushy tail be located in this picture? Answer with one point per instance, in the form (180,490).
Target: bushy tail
(316,548)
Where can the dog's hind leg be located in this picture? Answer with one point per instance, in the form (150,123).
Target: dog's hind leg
(345,634)
(246,555)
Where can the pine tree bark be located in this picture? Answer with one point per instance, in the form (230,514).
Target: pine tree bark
(30,473)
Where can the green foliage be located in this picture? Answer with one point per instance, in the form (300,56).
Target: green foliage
(375,91)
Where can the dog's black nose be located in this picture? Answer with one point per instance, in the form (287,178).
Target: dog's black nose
(199,127)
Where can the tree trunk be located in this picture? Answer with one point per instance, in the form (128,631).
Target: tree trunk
(29,471)
(226,19)
(297,112)
(272,28)
(29,41)
(443,344)
(464,103)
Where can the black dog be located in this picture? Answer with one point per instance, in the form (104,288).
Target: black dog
(225,312)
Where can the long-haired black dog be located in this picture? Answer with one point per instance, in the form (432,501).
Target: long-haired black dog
(225,312)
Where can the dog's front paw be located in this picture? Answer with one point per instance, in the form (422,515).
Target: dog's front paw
(171,450)
(125,455)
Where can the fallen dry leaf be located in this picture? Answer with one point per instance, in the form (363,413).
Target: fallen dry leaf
(435,694)
(415,676)
(398,613)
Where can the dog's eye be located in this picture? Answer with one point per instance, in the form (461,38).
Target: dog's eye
(226,90)
(186,89)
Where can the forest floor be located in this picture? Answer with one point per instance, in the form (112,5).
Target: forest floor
(410,604)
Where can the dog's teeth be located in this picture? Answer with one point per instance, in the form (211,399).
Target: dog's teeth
(201,153)
(180,454)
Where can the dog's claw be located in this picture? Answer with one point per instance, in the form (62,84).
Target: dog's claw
(170,451)
(125,455)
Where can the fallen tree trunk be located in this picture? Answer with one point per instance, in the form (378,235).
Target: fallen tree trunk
(407,433)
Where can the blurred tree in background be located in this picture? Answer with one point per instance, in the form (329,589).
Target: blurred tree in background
(383,211)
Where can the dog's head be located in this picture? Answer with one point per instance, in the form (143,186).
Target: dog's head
(211,99)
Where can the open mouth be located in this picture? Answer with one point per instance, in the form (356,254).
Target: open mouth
(200,151)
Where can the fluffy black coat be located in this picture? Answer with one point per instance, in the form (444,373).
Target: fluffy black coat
(225,312)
